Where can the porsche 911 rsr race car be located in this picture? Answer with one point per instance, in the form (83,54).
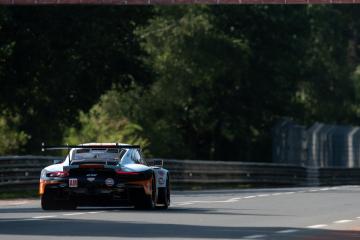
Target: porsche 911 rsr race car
(103,174)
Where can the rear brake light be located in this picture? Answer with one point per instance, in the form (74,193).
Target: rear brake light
(58,174)
(91,166)
(126,173)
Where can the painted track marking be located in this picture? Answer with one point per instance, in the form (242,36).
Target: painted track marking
(231,200)
(288,193)
(287,231)
(73,214)
(247,197)
(41,217)
(254,236)
(317,226)
(343,221)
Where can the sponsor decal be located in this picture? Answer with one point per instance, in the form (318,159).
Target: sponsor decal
(161,180)
(73,182)
(161,173)
(109,182)
(90,179)
(91,174)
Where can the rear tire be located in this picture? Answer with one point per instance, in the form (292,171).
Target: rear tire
(148,201)
(48,202)
(68,205)
(164,195)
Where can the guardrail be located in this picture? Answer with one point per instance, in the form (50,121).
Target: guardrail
(23,172)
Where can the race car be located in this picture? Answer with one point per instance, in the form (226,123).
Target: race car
(103,174)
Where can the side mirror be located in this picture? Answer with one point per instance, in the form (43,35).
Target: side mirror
(158,163)
(56,161)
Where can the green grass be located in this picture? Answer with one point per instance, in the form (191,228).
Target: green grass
(5,194)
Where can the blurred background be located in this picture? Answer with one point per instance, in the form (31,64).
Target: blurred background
(185,82)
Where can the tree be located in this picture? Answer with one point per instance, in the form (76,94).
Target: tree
(61,60)
(105,123)
(12,141)
(224,75)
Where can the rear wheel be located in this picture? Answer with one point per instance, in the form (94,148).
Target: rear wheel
(148,201)
(48,201)
(68,205)
(164,195)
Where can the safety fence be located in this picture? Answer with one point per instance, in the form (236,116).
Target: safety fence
(22,172)
(320,145)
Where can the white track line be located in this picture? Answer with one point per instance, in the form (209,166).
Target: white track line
(343,221)
(231,200)
(184,203)
(317,226)
(287,231)
(19,203)
(73,214)
(41,217)
(254,236)
(247,197)
(13,202)
(238,198)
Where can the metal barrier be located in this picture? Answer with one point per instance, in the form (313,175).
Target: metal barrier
(320,145)
(187,173)
(21,172)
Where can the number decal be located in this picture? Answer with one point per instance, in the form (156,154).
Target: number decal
(73,182)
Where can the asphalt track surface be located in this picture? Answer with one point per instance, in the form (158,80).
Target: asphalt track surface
(282,213)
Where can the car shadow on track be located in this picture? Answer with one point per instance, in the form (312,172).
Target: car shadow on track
(171,210)
(103,228)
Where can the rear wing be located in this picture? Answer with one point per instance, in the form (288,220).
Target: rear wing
(95,146)
(88,146)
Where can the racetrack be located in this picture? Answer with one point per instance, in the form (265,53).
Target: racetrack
(281,213)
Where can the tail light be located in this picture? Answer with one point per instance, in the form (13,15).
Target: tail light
(86,165)
(119,172)
(58,174)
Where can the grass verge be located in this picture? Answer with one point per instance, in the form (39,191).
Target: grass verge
(14,194)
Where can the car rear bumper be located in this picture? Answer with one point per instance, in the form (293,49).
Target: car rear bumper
(91,195)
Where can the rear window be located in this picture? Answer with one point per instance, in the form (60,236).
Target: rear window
(98,154)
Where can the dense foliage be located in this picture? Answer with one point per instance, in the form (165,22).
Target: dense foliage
(197,82)
(57,61)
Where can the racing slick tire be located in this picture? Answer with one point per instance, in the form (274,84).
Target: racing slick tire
(48,201)
(164,196)
(68,205)
(148,201)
